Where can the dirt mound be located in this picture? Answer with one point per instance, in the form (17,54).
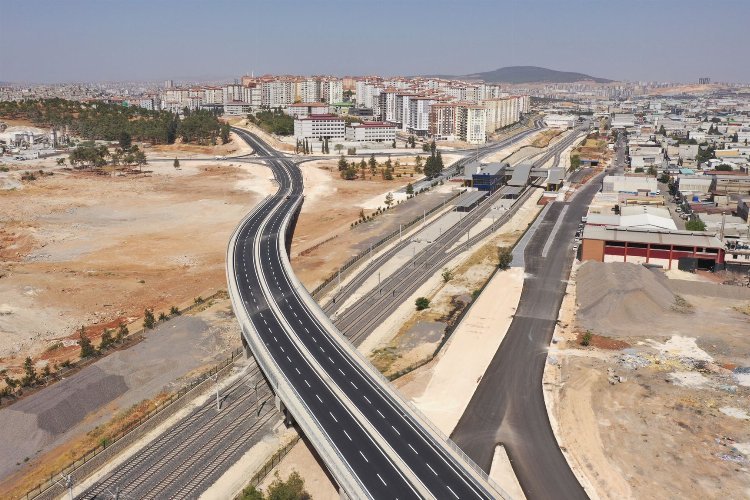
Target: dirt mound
(615,294)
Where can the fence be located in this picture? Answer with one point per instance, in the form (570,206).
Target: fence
(131,426)
(270,464)
(364,253)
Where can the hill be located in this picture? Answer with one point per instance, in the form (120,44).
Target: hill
(530,74)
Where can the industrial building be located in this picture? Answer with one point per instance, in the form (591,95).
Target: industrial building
(669,249)
(637,185)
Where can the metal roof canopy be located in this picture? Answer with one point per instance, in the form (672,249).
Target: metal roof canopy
(681,238)
(470,199)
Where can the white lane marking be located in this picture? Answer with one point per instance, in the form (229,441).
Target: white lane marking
(396,430)
(381,415)
(295,314)
(412,449)
(433,470)
(318,398)
(363,456)
(347,435)
(381,480)
(282,348)
(297,370)
(314,340)
(333,417)
(306,330)
(307,383)
(353,384)
(341,371)
(332,362)
(275,339)
(366,399)
(454,493)
(290,359)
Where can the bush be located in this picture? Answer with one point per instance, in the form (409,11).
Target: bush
(87,349)
(174,311)
(504,257)
(422,303)
(586,338)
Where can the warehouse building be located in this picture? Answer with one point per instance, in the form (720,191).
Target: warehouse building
(669,249)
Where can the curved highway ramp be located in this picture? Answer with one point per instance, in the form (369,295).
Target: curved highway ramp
(373,442)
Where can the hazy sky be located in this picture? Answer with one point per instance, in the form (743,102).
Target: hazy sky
(98,40)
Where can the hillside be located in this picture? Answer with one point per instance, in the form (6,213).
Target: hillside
(529,74)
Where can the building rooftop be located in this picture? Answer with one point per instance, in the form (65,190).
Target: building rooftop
(656,236)
(470,199)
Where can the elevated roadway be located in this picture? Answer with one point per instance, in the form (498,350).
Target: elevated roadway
(374,443)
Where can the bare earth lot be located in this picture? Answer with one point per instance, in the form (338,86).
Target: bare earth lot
(658,406)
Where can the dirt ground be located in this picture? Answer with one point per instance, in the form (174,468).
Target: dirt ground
(658,405)
(85,249)
(323,239)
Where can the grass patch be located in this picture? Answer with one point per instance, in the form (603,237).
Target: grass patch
(743,309)
(384,357)
(681,305)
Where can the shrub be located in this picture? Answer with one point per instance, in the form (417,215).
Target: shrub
(586,338)
(148,319)
(422,303)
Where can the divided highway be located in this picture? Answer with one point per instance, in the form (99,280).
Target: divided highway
(373,442)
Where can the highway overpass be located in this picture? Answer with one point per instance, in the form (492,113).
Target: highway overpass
(373,442)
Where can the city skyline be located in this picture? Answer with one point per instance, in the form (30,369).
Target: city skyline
(640,41)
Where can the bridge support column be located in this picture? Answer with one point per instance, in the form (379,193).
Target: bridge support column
(246,347)
(288,418)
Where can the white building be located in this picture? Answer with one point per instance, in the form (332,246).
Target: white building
(371,132)
(564,122)
(629,184)
(319,127)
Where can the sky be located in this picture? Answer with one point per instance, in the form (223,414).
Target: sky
(52,41)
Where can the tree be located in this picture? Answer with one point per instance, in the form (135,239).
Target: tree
(389,200)
(350,172)
(163,316)
(291,489)
(338,147)
(107,340)
(174,311)
(224,133)
(586,338)
(139,157)
(61,161)
(122,332)
(125,140)
(343,164)
(575,162)
(394,144)
(422,303)
(363,167)
(662,130)
(735,137)
(87,348)
(695,225)
(504,257)
(148,319)
(373,164)
(652,171)
(447,275)
(29,373)
(176,163)
(409,188)
(387,174)
(664,178)
(418,164)
(723,168)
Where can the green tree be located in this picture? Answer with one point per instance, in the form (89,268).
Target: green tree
(363,168)
(373,164)
(695,225)
(447,275)
(586,338)
(139,157)
(662,130)
(575,162)
(422,303)
(122,332)
(652,171)
(125,140)
(394,144)
(723,168)
(176,163)
(61,161)
(343,164)
(224,133)
(409,188)
(338,147)
(418,164)
(664,178)
(174,311)
(107,340)
(291,489)
(87,348)
(389,200)
(29,373)
(504,257)
(148,319)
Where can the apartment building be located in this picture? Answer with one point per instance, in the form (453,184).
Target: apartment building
(332,91)
(443,121)
(472,123)
(371,132)
(303,109)
(319,127)
(417,117)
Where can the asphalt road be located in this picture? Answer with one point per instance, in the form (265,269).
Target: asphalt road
(508,405)
(321,371)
